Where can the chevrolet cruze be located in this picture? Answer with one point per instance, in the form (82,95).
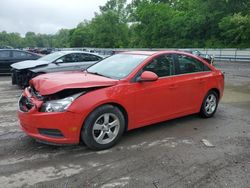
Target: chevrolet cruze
(123,92)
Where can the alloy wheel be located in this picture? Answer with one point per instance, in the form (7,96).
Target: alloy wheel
(210,104)
(106,128)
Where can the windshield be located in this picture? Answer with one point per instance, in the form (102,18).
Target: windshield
(117,66)
(52,57)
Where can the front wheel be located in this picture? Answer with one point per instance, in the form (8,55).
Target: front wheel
(103,127)
(209,105)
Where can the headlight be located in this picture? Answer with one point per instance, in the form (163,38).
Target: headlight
(59,105)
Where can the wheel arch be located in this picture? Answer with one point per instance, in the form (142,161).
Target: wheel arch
(212,89)
(115,104)
(215,90)
(123,110)
(201,111)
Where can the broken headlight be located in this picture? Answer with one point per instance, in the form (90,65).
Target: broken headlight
(59,105)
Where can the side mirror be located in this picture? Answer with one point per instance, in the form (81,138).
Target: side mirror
(148,76)
(58,61)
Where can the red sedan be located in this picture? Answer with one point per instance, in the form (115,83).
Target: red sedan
(123,92)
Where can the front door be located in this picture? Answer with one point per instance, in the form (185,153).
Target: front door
(153,100)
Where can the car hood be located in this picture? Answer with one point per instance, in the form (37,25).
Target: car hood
(28,64)
(47,84)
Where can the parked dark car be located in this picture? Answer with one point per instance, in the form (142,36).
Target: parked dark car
(10,56)
(206,57)
(23,71)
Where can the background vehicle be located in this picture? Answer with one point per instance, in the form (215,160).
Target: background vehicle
(123,92)
(10,56)
(206,57)
(22,72)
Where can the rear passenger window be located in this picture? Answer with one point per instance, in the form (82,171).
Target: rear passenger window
(88,57)
(161,65)
(206,68)
(190,65)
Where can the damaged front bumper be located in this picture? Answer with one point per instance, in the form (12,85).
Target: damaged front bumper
(55,127)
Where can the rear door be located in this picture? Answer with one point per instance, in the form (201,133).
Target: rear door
(5,61)
(189,83)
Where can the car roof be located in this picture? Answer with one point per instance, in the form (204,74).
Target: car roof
(160,52)
(149,53)
(188,50)
(154,52)
(77,51)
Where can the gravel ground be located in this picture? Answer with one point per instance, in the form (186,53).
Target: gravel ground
(168,154)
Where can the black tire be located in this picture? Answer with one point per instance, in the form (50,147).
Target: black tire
(13,78)
(87,132)
(205,112)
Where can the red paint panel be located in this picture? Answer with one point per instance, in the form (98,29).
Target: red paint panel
(51,83)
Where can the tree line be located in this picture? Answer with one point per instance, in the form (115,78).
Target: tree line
(152,24)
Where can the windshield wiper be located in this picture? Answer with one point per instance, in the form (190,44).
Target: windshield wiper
(96,73)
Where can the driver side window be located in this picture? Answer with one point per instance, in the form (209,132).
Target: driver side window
(88,57)
(161,65)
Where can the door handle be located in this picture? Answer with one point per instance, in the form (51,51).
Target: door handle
(172,86)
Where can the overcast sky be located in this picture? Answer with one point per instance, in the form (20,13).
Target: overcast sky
(45,16)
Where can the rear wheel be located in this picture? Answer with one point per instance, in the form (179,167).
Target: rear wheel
(103,127)
(209,105)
